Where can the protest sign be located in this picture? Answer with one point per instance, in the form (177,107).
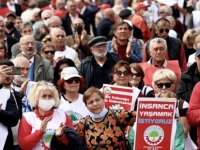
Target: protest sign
(154,123)
(120,97)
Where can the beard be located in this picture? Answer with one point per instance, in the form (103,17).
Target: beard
(19,79)
(100,54)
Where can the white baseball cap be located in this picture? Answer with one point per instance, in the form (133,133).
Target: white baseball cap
(69,72)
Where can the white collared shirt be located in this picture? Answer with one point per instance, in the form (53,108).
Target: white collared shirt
(31,61)
(164,64)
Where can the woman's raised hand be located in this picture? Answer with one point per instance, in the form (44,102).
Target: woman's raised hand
(44,123)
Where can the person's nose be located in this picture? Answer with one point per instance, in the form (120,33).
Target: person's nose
(95,103)
(164,87)
(25,72)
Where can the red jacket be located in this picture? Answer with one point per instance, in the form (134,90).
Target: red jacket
(193,113)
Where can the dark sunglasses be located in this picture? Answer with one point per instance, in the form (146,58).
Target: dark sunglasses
(136,74)
(119,73)
(164,30)
(51,52)
(167,85)
(72,80)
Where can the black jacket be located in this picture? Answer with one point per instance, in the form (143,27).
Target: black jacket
(10,41)
(10,117)
(187,82)
(66,23)
(96,75)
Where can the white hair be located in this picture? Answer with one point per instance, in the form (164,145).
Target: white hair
(158,40)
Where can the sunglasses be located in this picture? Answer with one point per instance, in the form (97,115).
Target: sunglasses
(49,52)
(119,73)
(167,85)
(136,74)
(164,30)
(73,80)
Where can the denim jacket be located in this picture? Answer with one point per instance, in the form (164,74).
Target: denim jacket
(136,55)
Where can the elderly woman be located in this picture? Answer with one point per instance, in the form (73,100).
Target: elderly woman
(38,127)
(121,73)
(137,76)
(178,135)
(71,100)
(48,52)
(103,128)
(165,80)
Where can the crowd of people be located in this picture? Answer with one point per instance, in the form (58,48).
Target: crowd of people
(56,55)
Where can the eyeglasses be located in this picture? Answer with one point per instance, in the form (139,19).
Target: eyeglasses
(119,73)
(73,80)
(136,74)
(51,52)
(167,85)
(164,30)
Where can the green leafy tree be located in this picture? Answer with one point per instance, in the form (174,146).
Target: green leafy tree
(154,134)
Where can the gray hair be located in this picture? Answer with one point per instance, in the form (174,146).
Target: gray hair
(159,41)
(24,24)
(20,60)
(54,19)
(55,30)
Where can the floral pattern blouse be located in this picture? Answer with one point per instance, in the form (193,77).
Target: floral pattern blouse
(106,134)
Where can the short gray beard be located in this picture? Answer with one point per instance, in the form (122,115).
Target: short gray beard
(100,55)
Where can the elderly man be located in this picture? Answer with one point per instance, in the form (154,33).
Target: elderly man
(46,14)
(158,50)
(71,14)
(40,69)
(175,50)
(27,29)
(186,84)
(79,39)
(96,69)
(23,63)
(54,22)
(127,49)
(58,39)
(189,79)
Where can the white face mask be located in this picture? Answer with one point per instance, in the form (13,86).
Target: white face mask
(46,105)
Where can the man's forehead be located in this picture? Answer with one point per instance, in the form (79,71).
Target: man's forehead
(59,32)
(27,39)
